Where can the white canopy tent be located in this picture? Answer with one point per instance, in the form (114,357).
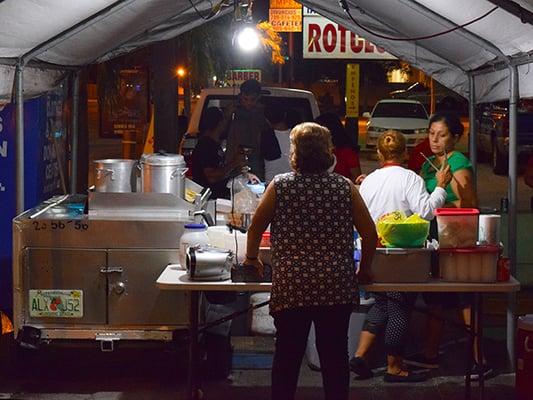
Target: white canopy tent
(486,60)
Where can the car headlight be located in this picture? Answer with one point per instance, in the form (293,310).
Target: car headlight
(421,131)
(376,129)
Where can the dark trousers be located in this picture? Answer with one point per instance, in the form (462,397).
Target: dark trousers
(292,329)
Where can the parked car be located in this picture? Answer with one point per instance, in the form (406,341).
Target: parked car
(407,116)
(493,133)
(298,101)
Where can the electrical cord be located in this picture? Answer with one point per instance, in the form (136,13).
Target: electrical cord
(345,7)
(215,10)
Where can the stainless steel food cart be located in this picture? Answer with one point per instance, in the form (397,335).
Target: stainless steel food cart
(91,275)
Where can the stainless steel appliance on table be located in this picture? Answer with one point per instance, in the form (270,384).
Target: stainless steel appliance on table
(92,276)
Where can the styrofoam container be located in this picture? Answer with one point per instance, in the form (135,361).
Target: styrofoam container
(236,242)
(400,265)
(216,235)
(262,321)
(457,227)
(476,264)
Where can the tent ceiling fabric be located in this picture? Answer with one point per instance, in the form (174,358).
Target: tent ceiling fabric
(24,24)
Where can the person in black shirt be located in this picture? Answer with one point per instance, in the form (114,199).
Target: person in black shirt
(208,167)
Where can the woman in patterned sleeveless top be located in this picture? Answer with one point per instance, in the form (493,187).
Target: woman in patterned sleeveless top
(312,214)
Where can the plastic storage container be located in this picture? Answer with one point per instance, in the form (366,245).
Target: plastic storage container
(457,227)
(399,265)
(194,234)
(476,264)
(265,239)
(524,358)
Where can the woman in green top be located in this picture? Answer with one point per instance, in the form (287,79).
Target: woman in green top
(445,130)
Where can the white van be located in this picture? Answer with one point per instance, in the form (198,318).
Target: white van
(299,102)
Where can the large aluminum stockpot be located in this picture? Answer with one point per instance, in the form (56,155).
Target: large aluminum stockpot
(163,173)
(116,175)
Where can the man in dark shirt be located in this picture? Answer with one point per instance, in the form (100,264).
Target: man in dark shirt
(208,167)
(249,128)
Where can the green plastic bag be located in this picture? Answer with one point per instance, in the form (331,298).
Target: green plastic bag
(397,230)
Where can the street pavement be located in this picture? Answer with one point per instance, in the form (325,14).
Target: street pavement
(134,374)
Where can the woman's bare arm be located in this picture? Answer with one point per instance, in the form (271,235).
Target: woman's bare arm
(463,187)
(366,229)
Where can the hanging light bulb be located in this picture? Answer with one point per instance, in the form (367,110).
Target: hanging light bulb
(248,39)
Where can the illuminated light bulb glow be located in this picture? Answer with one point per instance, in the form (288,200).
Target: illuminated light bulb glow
(248,39)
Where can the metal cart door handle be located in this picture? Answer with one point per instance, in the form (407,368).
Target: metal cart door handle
(111,270)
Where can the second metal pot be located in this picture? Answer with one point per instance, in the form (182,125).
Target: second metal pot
(163,173)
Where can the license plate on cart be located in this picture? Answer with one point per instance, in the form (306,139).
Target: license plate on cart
(56,303)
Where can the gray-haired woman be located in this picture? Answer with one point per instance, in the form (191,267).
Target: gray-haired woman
(312,214)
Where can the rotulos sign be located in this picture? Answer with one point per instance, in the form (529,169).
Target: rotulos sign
(323,38)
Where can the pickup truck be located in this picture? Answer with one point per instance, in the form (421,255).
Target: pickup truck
(298,101)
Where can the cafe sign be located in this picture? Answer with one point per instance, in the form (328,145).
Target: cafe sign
(285,16)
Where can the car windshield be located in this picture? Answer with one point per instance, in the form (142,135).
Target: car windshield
(296,105)
(399,110)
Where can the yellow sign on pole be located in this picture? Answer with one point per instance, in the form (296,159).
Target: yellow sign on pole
(285,4)
(286,19)
(352,90)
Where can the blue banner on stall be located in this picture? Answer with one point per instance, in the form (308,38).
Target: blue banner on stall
(43,142)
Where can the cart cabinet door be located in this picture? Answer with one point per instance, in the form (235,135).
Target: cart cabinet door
(65,286)
(134,298)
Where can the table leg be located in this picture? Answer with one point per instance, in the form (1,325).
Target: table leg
(511,330)
(192,383)
(479,334)
(470,353)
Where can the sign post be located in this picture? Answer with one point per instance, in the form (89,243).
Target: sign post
(352,100)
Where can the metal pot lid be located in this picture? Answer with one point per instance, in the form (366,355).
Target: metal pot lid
(163,159)
(115,161)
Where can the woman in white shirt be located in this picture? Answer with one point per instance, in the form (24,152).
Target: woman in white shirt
(392,188)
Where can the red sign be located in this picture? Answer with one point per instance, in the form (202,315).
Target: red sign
(326,39)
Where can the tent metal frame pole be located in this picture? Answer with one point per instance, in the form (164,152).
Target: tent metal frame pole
(472,134)
(111,53)
(74,29)
(25,59)
(512,215)
(450,24)
(38,64)
(75,131)
(19,142)
(512,188)
(519,60)
(515,9)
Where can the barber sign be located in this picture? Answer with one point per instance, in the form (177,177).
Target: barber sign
(238,76)
(326,39)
